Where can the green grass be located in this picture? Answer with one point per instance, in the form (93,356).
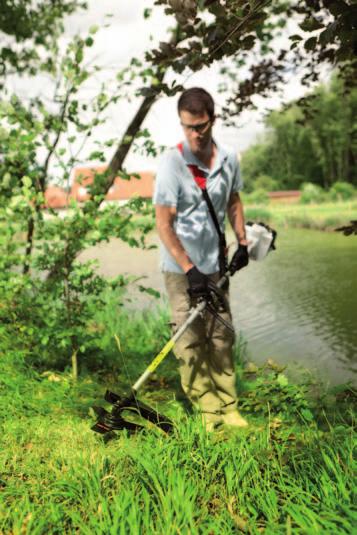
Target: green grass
(325,216)
(288,473)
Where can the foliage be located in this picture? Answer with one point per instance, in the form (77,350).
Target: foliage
(322,36)
(316,146)
(266,183)
(339,191)
(325,216)
(258,196)
(311,193)
(57,316)
(342,191)
(59,476)
(31,30)
(257,213)
(269,391)
(56,312)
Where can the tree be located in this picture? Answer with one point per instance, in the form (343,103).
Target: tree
(308,144)
(31,28)
(326,37)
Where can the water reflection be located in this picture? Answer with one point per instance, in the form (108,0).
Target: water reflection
(300,304)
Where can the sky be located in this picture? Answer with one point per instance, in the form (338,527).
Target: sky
(126,34)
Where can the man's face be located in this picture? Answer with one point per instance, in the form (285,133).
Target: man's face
(197,129)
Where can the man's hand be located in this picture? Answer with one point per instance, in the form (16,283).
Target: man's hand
(239,260)
(198,283)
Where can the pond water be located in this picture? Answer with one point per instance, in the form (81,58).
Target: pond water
(298,306)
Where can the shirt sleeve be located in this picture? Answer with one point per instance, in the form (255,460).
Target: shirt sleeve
(166,190)
(237,182)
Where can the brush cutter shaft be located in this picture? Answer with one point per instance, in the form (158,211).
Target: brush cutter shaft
(116,419)
(170,344)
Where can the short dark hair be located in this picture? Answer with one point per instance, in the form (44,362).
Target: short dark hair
(196,101)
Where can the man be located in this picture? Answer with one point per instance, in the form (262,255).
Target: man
(190,254)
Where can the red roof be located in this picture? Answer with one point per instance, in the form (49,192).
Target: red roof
(281,194)
(120,190)
(56,197)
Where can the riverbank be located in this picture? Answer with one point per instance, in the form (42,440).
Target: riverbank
(324,216)
(289,472)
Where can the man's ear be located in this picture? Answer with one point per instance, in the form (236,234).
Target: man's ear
(213,120)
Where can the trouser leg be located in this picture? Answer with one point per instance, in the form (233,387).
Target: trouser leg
(220,342)
(204,353)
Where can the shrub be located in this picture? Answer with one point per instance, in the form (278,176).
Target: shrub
(266,183)
(259,196)
(312,193)
(256,213)
(342,191)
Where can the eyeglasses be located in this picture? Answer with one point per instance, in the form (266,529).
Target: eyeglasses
(199,128)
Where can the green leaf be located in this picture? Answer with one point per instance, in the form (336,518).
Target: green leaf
(310,44)
(310,24)
(307,415)
(150,291)
(282,379)
(79,55)
(295,37)
(44,340)
(27,182)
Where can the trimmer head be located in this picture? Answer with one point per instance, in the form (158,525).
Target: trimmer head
(115,419)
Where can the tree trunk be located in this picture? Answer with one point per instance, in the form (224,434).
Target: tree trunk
(29,244)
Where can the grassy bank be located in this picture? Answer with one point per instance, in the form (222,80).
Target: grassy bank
(290,472)
(325,216)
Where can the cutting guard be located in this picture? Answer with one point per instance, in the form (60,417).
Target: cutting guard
(115,419)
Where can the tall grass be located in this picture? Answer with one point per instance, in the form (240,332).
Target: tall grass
(325,216)
(281,475)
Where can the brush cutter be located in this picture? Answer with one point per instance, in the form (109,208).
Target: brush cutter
(261,240)
(115,420)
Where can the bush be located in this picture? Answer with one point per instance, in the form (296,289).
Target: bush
(266,183)
(342,191)
(256,213)
(259,196)
(312,193)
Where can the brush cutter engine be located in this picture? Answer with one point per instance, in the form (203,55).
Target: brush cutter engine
(261,239)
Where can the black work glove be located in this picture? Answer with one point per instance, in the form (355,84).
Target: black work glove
(239,260)
(198,284)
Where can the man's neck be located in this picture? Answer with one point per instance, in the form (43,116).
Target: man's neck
(207,155)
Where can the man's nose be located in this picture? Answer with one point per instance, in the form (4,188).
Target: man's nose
(195,134)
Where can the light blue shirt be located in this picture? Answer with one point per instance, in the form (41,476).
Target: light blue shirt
(193,225)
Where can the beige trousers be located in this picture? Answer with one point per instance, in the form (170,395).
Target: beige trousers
(204,351)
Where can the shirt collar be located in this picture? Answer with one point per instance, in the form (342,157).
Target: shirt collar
(191,159)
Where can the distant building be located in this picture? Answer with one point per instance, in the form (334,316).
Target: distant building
(289,197)
(56,198)
(121,190)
